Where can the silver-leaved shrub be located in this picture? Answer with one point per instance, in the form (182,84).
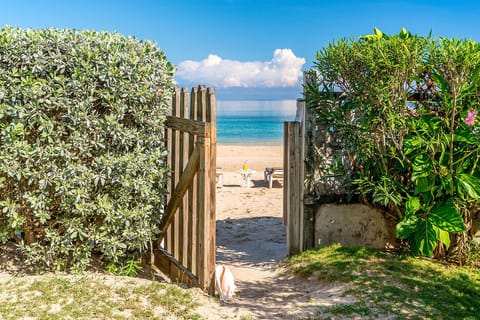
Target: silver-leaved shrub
(82,152)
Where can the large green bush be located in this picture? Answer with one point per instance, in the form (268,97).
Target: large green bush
(82,156)
(406,120)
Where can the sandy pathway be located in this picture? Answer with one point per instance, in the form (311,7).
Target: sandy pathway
(251,240)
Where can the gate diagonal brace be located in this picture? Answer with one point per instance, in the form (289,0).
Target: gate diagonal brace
(184,183)
(173,268)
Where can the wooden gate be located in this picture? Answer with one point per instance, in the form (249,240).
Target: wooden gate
(185,250)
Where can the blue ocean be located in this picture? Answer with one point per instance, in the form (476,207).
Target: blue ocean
(253,121)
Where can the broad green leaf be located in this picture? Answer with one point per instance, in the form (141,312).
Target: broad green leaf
(412,205)
(427,125)
(407,225)
(443,236)
(421,167)
(466,90)
(377,35)
(421,161)
(446,217)
(424,185)
(425,238)
(469,184)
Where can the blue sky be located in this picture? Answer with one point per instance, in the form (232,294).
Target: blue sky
(246,48)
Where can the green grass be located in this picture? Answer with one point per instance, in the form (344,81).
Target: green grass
(384,286)
(92,297)
(393,286)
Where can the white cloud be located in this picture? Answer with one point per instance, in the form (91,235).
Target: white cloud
(284,70)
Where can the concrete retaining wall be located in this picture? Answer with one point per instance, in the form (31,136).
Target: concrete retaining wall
(353,225)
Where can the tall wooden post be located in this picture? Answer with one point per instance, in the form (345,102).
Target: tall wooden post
(293,186)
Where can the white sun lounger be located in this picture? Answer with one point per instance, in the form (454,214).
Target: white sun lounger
(271,173)
(219,177)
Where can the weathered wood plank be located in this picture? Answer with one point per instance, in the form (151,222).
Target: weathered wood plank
(286,170)
(183,160)
(201,94)
(192,193)
(165,241)
(169,237)
(173,268)
(204,257)
(203,210)
(211,196)
(175,177)
(198,128)
(308,219)
(295,207)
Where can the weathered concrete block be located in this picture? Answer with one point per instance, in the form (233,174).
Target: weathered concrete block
(353,225)
(476,227)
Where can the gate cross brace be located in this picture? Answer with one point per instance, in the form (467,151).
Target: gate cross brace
(165,261)
(184,183)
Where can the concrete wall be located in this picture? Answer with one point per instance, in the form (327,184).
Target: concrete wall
(476,227)
(353,225)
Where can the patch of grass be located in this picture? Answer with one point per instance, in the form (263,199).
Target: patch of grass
(393,285)
(356,308)
(93,297)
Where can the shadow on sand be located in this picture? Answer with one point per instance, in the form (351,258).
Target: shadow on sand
(256,241)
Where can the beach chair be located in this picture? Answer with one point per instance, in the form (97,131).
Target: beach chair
(219,177)
(271,173)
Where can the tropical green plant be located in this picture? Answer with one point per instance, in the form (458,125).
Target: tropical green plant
(129,268)
(406,119)
(82,156)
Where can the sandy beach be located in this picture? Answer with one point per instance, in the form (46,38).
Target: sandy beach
(253,215)
(230,157)
(249,218)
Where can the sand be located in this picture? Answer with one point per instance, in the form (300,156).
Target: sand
(251,241)
(230,157)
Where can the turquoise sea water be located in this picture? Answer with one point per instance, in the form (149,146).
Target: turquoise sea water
(253,121)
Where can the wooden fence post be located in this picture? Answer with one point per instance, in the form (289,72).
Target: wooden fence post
(298,204)
(293,186)
(206,188)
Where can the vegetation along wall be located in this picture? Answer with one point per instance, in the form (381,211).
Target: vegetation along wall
(82,156)
(399,117)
